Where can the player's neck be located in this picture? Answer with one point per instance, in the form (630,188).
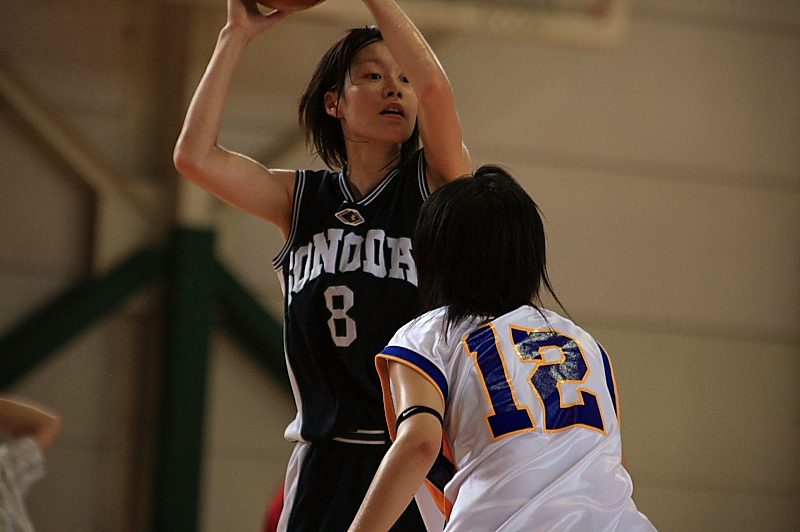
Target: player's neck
(368,164)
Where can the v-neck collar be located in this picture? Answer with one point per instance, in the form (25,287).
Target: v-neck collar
(374,193)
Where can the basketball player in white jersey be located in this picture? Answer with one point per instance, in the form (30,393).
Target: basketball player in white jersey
(526,398)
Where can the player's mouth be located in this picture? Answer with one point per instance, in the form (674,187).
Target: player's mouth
(393,109)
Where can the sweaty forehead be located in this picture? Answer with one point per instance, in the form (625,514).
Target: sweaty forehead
(374,53)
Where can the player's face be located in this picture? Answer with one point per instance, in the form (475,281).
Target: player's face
(377,103)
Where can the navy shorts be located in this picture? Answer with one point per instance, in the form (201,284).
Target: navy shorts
(332,483)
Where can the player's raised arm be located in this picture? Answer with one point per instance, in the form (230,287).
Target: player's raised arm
(439,125)
(232,177)
(411,456)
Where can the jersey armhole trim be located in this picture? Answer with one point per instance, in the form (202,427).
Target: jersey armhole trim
(382,366)
(299,187)
(418,363)
(435,489)
(611,382)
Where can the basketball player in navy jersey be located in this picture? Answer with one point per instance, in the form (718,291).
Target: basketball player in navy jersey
(347,268)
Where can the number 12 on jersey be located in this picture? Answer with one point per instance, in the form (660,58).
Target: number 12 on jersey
(558,360)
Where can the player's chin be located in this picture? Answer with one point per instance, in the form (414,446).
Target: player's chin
(399,134)
(397,138)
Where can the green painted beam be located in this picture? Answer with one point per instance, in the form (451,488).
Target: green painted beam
(56,323)
(247,320)
(197,285)
(191,292)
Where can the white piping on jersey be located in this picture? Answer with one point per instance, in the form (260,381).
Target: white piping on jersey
(298,195)
(364,437)
(366,200)
(359,442)
(300,185)
(422,178)
(293,431)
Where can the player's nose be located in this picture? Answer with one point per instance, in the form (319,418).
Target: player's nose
(392,89)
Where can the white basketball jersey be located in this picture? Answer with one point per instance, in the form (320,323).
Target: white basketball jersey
(531,423)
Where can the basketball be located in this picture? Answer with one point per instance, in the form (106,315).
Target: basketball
(289,5)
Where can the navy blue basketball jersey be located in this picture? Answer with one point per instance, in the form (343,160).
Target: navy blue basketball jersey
(349,282)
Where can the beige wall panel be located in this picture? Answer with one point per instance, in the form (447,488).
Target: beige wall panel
(124,442)
(39,28)
(72,381)
(245,452)
(278,65)
(262,106)
(96,384)
(261,109)
(247,412)
(265,66)
(95,71)
(237,492)
(69,497)
(671,254)
(46,217)
(710,414)
(246,245)
(690,510)
(253,137)
(91,385)
(679,95)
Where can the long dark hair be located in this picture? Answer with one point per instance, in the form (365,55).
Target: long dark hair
(322,130)
(479,247)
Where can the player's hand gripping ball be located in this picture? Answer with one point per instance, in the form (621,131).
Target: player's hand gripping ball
(289,5)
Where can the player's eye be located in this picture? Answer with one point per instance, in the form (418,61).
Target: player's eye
(404,79)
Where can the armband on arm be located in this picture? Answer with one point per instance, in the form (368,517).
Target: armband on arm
(414,410)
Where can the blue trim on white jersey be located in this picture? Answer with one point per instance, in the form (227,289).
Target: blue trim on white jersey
(421,362)
(609,378)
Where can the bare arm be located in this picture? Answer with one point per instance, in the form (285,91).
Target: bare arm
(22,419)
(410,457)
(439,126)
(234,178)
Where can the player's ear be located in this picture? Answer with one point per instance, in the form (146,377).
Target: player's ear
(332,104)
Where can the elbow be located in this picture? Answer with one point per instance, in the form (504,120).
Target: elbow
(435,90)
(428,451)
(421,449)
(185,164)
